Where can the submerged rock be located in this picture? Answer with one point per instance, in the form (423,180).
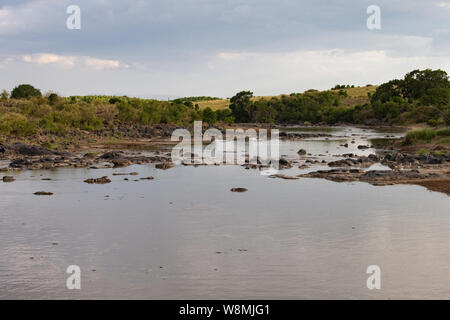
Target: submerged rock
(282,176)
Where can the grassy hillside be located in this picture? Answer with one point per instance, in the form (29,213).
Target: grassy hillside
(356,96)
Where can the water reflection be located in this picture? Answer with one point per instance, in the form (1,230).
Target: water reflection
(184,235)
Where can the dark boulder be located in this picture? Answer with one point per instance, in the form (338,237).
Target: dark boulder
(102,180)
(8,179)
(26,150)
(112,155)
(239,190)
(20,163)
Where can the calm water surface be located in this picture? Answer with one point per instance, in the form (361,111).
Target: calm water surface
(184,235)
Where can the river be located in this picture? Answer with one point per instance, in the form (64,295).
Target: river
(184,235)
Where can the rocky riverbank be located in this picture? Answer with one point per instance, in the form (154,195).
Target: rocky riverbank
(432,172)
(25,157)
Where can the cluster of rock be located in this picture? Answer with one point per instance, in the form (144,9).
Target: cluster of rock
(300,136)
(392,160)
(363,161)
(35,157)
(376,177)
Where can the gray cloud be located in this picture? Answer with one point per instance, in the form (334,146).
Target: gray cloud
(170,40)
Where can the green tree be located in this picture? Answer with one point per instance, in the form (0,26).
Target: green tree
(209,116)
(387,91)
(53,99)
(25,91)
(241,106)
(431,86)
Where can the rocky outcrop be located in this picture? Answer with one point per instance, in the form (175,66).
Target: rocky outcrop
(27,150)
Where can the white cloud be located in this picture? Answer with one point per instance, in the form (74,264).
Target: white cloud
(444,5)
(286,72)
(103,64)
(72,61)
(50,58)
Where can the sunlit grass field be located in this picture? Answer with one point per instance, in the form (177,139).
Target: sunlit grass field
(356,96)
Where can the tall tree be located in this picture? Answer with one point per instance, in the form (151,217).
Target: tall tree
(241,106)
(25,91)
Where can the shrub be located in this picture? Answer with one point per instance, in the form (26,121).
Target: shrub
(17,124)
(4,95)
(126,112)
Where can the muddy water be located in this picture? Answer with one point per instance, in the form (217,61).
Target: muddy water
(184,235)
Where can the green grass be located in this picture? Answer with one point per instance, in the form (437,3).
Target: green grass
(422,135)
(214,104)
(444,132)
(424,152)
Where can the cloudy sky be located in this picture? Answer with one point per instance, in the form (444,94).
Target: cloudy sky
(172,48)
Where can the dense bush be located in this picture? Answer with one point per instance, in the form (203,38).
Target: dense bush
(17,124)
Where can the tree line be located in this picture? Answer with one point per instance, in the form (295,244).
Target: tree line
(422,96)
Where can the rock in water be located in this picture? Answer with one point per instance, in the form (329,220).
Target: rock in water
(285,177)
(26,150)
(118,163)
(164,165)
(43,193)
(8,179)
(112,155)
(302,152)
(239,190)
(102,180)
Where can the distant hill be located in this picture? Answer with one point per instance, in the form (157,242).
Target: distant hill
(356,96)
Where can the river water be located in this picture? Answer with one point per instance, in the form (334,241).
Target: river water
(184,235)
